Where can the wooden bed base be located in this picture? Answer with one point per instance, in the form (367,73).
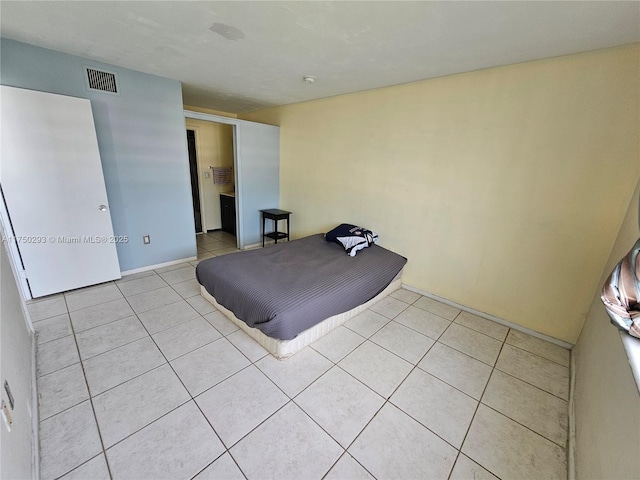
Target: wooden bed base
(282,349)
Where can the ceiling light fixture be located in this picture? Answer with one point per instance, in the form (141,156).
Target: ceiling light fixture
(227,31)
(309,79)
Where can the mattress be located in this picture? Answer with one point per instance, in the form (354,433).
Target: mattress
(288,288)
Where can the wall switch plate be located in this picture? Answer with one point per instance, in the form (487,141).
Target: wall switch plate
(146,239)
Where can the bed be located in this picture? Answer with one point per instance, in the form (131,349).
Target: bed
(288,295)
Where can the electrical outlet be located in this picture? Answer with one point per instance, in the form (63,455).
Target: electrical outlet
(146,239)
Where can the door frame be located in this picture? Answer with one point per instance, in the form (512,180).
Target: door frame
(256,160)
(203,216)
(234,122)
(6,230)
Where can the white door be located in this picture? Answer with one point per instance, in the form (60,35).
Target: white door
(54,191)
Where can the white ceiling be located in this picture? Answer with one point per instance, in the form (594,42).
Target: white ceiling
(241,56)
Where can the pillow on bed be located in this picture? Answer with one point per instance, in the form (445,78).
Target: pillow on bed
(351,237)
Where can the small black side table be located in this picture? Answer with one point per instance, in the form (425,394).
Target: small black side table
(275,215)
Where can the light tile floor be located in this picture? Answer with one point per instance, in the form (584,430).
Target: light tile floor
(141,378)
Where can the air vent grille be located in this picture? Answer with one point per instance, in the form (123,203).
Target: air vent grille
(101,80)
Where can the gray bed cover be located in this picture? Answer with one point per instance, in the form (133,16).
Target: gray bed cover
(287,288)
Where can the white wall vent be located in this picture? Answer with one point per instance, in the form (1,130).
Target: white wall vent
(101,80)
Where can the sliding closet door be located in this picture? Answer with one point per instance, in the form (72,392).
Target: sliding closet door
(54,191)
(258,176)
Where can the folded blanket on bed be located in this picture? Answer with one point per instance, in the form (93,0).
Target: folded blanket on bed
(351,237)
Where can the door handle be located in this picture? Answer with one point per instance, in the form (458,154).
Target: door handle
(102,208)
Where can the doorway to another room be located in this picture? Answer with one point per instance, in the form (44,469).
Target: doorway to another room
(248,154)
(211,161)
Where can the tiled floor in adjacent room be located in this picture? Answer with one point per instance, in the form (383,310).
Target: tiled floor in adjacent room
(143,379)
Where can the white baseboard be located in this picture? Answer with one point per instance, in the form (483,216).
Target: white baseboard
(159,265)
(35,411)
(501,321)
(571,443)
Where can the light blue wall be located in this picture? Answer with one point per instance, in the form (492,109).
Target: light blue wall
(142,140)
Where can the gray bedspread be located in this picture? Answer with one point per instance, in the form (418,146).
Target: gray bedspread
(287,288)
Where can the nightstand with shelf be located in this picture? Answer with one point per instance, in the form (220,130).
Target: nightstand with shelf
(275,215)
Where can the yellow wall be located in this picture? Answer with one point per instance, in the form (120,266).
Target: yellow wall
(505,188)
(607,401)
(214,147)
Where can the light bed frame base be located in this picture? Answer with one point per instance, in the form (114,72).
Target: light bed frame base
(282,349)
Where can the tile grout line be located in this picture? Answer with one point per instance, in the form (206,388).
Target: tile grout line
(80,362)
(136,376)
(524,426)
(191,397)
(111,282)
(387,399)
(228,448)
(171,366)
(479,400)
(384,403)
(345,449)
(538,355)
(495,367)
(335,364)
(464,439)
(291,399)
(93,410)
(529,383)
